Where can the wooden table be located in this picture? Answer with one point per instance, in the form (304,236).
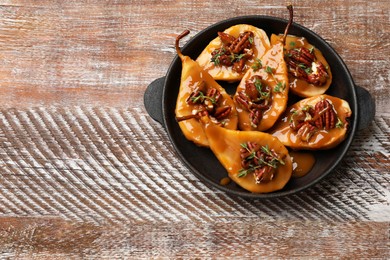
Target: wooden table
(85,172)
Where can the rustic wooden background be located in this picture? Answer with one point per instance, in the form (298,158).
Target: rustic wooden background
(86,173)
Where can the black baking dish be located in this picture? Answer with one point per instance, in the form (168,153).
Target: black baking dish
(160,100)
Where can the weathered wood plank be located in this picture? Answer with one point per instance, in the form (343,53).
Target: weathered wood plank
(56,238)
(86,173)
(106,164)
(51,53)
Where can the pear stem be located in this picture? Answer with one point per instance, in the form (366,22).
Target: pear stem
(290,21)
(183,118)
(178,38)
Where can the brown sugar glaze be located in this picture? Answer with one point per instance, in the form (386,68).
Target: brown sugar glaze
(302,162)
(299,86)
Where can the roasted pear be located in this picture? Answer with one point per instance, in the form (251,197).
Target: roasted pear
(261,96)
(256,161)
(229,56)
(309,72)
(314,123)
(200,94)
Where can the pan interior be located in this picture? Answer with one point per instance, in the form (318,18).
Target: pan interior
(202,162)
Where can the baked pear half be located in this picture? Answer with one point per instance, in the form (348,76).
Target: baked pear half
(315,123)
(309,72)
(256,161)
(261,97)
(233,52)
(262,94)
(200,94)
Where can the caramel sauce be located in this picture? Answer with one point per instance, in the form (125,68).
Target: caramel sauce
(302,163)
(224,181)
(192,129)
(261,44)
(226,145)
(322,139)
(298,86)
(273,58)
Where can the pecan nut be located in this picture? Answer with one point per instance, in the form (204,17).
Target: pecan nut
(326,116)
(234,52)
(264,174)
(306,131)
(226,39)
(243,100)
(261,161)
(255,117)
(242,42)
(302,64)
(222,112)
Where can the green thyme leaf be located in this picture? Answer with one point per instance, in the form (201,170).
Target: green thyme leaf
(268,69)
(339,123)
(244,145)
(242,173)
(308,70)
(302,66)
(279,87)
(201,98)
(266,150)
(257,65)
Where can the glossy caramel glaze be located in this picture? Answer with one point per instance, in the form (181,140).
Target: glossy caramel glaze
(299,86)
(192,75)
(322,139)
(226,145)
(273,58)
(261,44)
(302,163)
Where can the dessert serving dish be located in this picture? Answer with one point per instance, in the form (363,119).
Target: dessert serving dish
(161,96)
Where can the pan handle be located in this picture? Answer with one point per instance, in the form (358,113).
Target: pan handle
(153,99)
(366,104)
(154,92)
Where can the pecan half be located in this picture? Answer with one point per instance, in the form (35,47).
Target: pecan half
(234,51)
(325,115)
(302,55)
(296,70)
(261,161)
(302,64)
(255,117)
(226,39)
(242,42)
(243,100)
(222,112)
(264,174)
(306,131)
(214,94)
(256,98)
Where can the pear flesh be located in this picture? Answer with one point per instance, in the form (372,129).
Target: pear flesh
(260,44)
(272,71)
(306,68)
(195,79)
(227,146)
(299,128)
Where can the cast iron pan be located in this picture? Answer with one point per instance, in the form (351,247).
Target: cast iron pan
(160,101)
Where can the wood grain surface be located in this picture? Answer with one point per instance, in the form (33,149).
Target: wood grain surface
(85,172)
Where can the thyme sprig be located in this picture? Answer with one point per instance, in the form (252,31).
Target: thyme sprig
(257,65)
(200,98)
(273,162)
(279,85)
